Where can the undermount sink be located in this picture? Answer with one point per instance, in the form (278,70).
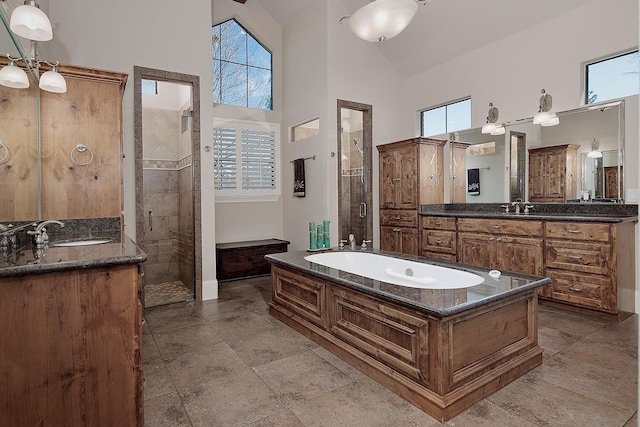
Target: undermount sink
(81,242)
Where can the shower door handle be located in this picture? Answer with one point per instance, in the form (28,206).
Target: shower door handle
(363,210)
(150,220)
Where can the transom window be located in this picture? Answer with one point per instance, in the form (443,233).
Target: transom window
(246,160)
(612,78)
(242,68)
(446,118)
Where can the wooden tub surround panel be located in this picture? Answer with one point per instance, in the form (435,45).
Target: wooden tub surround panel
(440,364)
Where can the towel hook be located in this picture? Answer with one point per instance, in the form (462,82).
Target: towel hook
(81,148)
(6,153)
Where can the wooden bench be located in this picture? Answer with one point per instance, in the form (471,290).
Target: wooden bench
(236,260)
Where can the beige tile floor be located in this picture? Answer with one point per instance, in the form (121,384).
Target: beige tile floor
(229,363)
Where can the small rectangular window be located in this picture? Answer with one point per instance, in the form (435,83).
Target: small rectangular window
(446,118)
(305,129)
(612,78)
(150,87)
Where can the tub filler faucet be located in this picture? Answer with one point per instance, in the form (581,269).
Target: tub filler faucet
(352,242)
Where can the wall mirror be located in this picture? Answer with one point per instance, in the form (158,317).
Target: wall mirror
(502,160)
(19,144)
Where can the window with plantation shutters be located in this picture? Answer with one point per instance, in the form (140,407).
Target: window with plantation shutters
(246,156)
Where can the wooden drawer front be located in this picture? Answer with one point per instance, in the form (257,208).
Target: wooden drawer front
(439,241)
(302,296)
(440,256)
(577,256)
(581,289)
(438,223)
(501,226)
(578,231)
(390,335)
(399,218)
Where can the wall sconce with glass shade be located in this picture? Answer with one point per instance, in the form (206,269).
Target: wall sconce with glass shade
(30,22)
(595,153)
(544,117)
(381,20)
(492,117)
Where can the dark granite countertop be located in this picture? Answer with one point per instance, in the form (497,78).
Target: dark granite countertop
(27,260)
(570,212)
(438,302)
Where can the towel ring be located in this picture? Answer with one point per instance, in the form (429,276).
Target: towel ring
(81,148)
(6,153)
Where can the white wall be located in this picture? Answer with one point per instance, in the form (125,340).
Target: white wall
(250,221)
(119,34)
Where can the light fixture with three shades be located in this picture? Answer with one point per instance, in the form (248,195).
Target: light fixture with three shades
(31,23)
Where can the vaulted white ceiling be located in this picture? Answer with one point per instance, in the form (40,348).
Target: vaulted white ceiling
(445,29)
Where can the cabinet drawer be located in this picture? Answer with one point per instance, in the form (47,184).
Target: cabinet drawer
(438,223)
(440,256)
(578,231)
(439,241)
(399,218)
(501,226)
(581,289)
(578,256)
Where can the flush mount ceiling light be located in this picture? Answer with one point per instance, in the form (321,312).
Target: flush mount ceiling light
(382,20)
(492,118)
(30,22)
(543,116)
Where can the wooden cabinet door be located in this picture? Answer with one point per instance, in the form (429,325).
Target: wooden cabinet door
(409,241)
(520,255)
(476,249)
(537,178)
(388,180)
(556,174)
(407,170)
(389,240)
(458,178)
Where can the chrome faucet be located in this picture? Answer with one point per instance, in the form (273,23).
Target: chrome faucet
(517,205)
(352,242)
(40,236)
(364,244)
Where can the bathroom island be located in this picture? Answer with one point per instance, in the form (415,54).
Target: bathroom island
(71,335)
(441,349)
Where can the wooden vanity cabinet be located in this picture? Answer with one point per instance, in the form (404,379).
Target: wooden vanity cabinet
(71,348)
(411,174)
(439,238)
(553,173)
(508,245)
(587,263)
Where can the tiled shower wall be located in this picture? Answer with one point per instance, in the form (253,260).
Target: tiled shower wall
(168,194)
(352,189)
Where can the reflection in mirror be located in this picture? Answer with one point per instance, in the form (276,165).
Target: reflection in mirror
(503,170)
(19,123)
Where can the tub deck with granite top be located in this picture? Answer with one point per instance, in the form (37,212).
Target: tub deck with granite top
(441,349)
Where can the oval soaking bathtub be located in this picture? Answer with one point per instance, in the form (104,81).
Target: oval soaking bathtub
(440,336)
(397,271)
